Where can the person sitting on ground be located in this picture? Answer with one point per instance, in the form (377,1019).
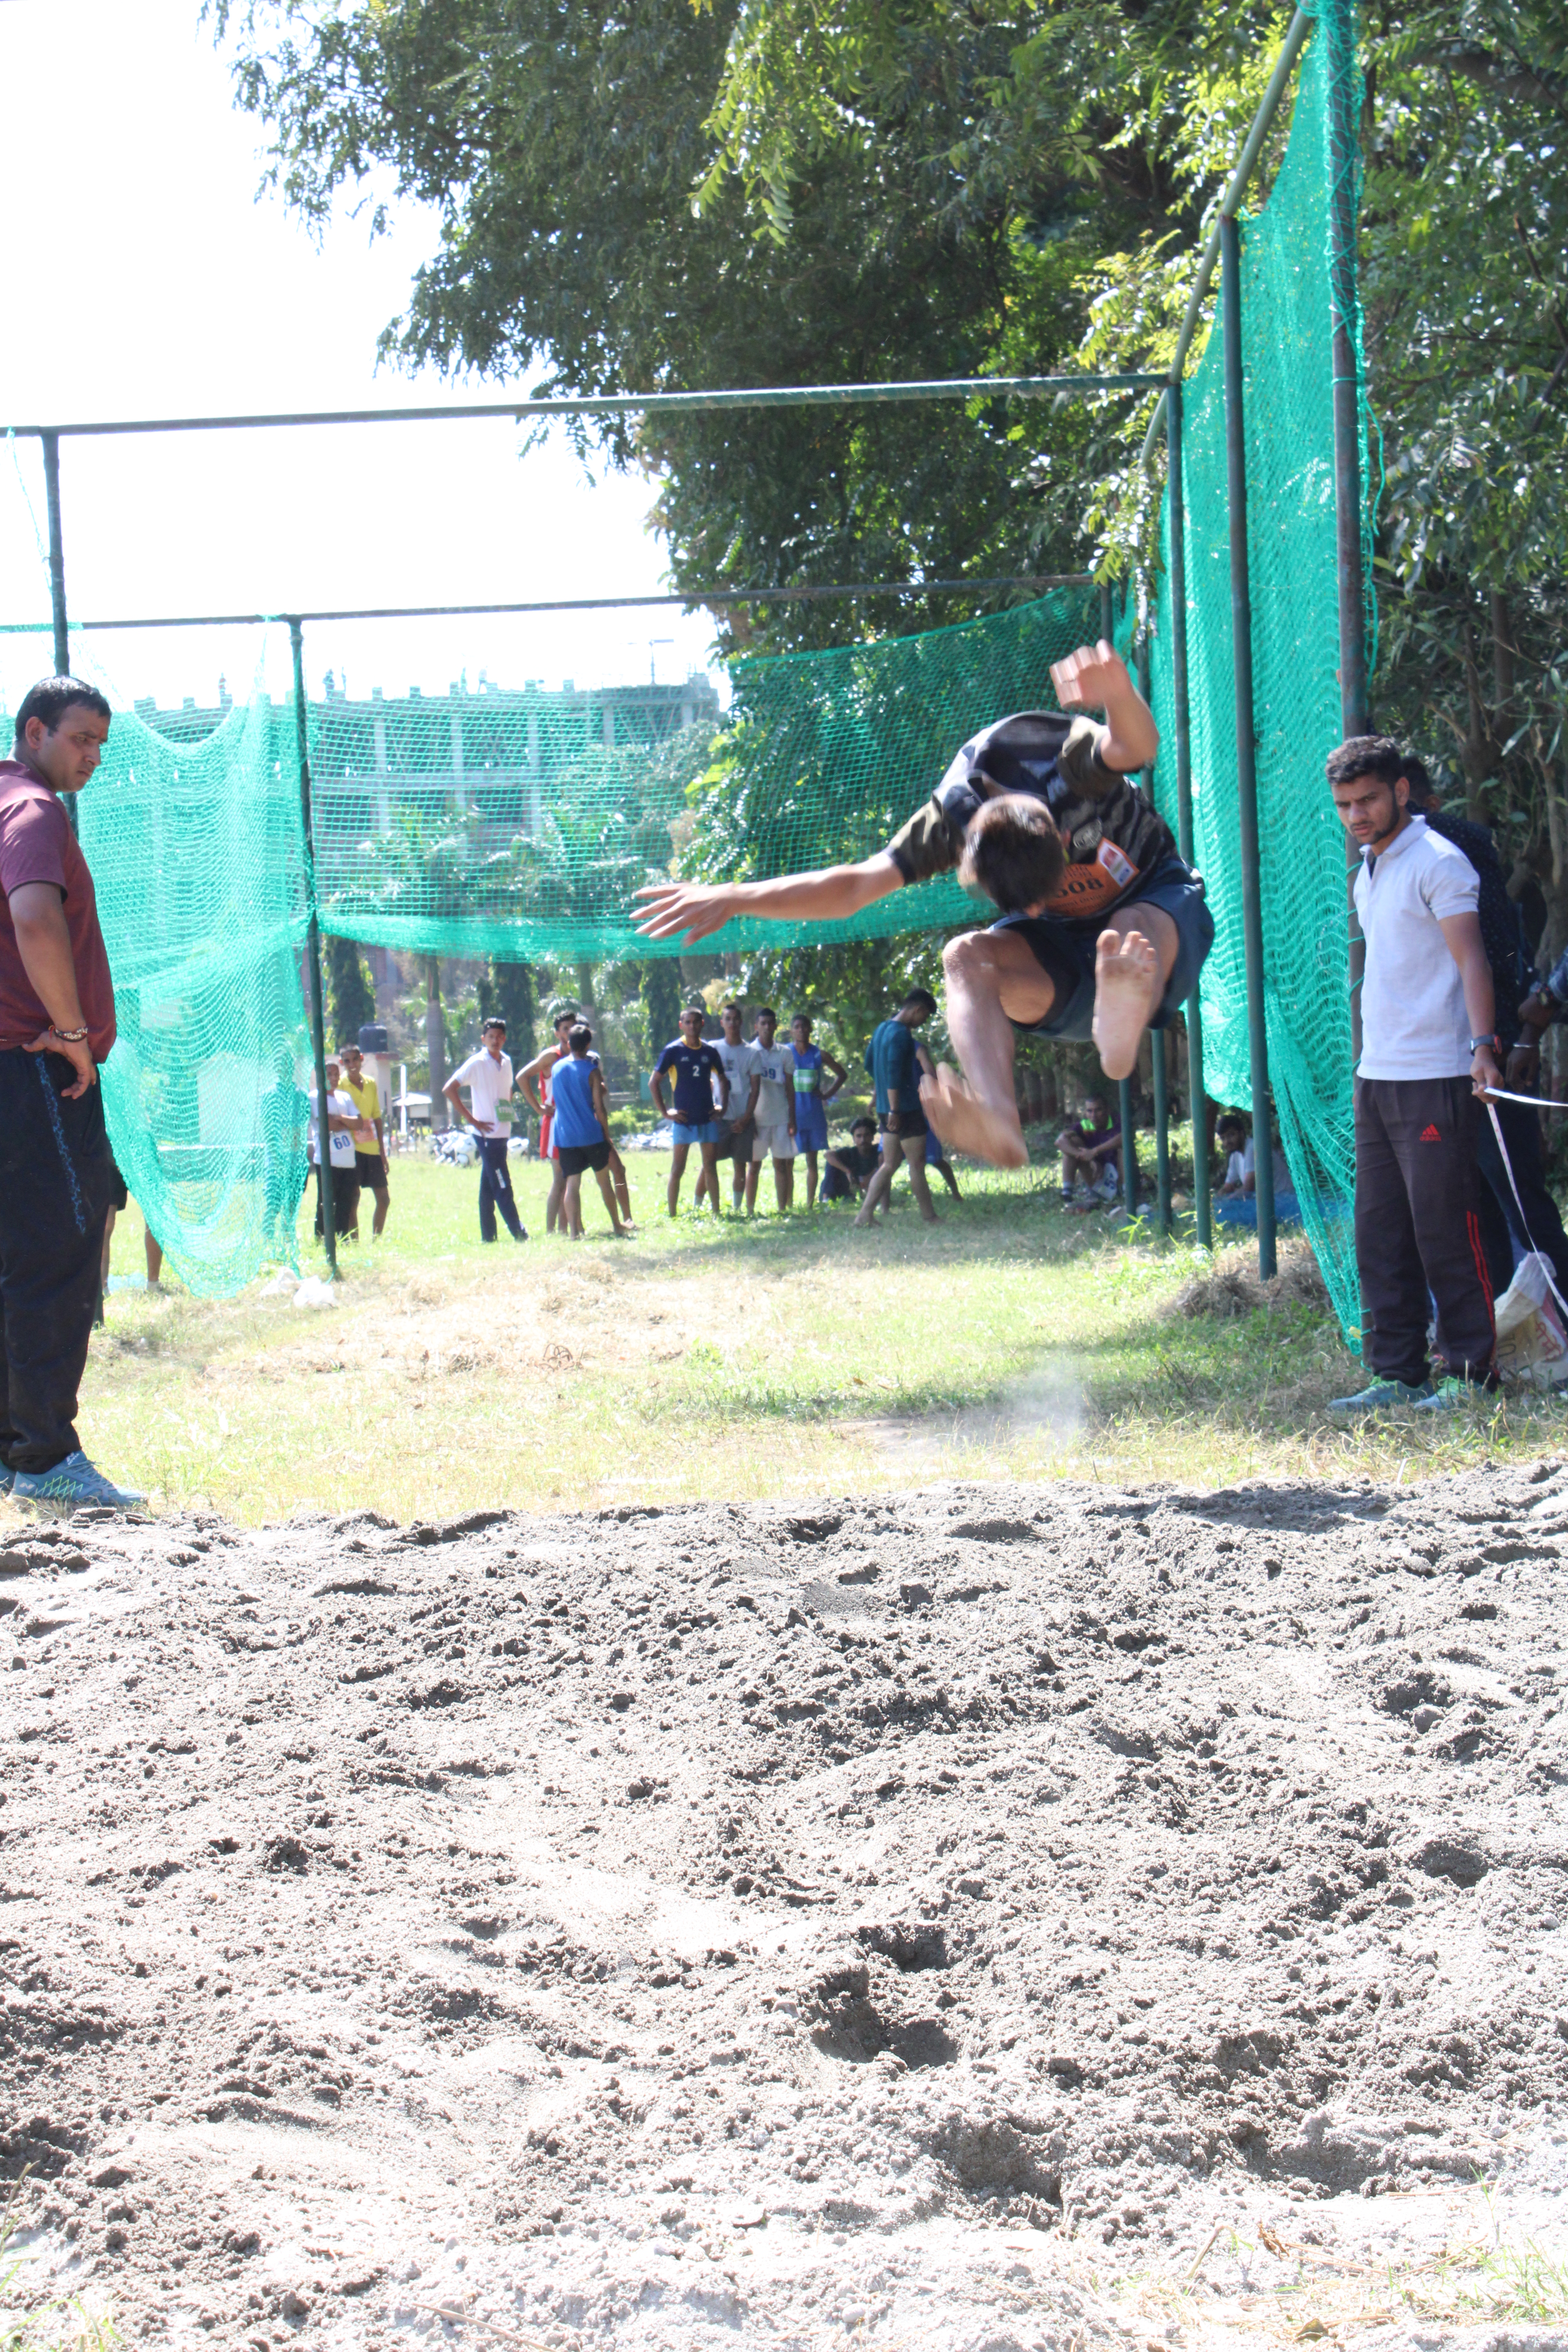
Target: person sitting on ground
(119,1201)
(583,1127)
(774,1135)
(697,1112)
(851,1166)
(1091,1151)
(370,1167)
(1102,927)
(743,1071)
(900,1117)
(487,1076)
(1240,1159)
(808,1065)
(347,1136)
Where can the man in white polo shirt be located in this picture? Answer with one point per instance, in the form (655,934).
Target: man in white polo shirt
(487,1076)
(1428,1051)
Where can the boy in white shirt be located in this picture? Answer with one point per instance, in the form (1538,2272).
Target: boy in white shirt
(775,1136)
(487,1076)
(1428,1051)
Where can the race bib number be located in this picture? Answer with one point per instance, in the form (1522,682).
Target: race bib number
(1095,887)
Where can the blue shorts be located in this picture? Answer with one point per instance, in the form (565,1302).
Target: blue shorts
(1066,950)
(810,1124)
(708,1132)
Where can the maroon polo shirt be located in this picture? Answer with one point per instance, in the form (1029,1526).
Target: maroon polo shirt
(37,844)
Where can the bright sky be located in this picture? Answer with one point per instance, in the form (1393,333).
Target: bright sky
(148,278)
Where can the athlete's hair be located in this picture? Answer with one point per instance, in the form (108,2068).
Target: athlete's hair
(567,1013)
(354,1047)
(766,1012)
(580,1037)
(800,1016)
(53,697)
(924,998)
(700,1011)
(493,1021)
(1379,756)
(1232,1123)
(863,1121)
(1013,852)
(729,1005)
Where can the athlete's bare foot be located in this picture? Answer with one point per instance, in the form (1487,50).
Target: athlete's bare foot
(968,1124)
(1126,970)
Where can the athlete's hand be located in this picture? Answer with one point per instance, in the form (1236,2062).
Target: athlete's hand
(77,1054)
(1524,1062)
(694,909)
(1485,1075)
(1089,678)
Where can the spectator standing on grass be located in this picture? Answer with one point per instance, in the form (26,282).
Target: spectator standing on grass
(487,1076)
(56,1025)
(1510,1228)
(936,1155)
(895,1073)
(851,1166)
(697,1116)
(582,1129)
(346,1133)
(743,1073)
(535,1085)
(370,1166)
(1428,1050)
(1091,1151)
(809,1064)
(118,1200)
(775,1136)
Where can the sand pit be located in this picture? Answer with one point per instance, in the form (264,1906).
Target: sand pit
(989,1918)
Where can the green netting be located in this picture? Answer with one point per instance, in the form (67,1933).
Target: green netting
(1286,349)
(197,857)
(519,825)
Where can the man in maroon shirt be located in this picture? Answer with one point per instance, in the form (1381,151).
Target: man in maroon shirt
(56,1025)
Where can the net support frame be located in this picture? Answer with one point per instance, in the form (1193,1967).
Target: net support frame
(324,1188)
(1202,1201)
(1246,741)
(1355,715)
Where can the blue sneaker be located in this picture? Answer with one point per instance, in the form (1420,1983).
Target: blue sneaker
(1382,1396)
(72,1483)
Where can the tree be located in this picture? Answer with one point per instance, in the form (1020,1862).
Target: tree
(663,995)
(351,999)
(506,991)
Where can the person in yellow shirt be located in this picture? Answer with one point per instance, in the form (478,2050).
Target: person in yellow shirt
(370,1167)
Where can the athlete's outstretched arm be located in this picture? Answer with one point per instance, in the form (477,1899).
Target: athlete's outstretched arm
(1097,678)
(696,909)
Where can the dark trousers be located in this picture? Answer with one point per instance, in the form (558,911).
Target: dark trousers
(1541,1226)
(1417,1230)
(53,1196)
(495,1190)
(345,1200)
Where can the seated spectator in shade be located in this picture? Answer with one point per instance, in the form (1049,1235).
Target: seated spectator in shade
(1240,1176)
(851,1166)
(1092,1152)
(1235,1198)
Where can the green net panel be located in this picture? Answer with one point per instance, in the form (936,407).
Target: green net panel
(1288,401)
(520,825)
(196,852)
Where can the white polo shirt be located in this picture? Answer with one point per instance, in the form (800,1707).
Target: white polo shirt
(740,1064)
(1413,1019)
(489,1087)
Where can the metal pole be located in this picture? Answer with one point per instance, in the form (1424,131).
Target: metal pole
(1354,713)
(1245,740)
(313,953)
(1176,505)
(51,445)
(1157,1072)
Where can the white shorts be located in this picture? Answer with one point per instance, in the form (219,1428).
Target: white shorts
(773,1142)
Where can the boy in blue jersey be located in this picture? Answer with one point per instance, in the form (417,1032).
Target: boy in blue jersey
(809,1064)
(894,1063)
(582,1129)
(697,1112)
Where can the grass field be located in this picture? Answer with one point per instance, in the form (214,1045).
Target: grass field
(784,1357)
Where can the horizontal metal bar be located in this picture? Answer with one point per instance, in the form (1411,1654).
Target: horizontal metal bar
(1230,205)
(630,404)
(581,603)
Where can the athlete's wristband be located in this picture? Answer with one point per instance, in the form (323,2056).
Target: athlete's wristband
(70,1036)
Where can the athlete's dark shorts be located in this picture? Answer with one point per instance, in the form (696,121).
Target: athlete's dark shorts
(119,1193)
(910,1122)
(1066,950)
(369,1171)
(576,1157)
(735,1140)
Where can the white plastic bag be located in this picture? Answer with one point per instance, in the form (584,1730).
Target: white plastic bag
(1531,1344)
(314,1292)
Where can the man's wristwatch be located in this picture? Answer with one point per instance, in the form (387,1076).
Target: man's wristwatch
(70,1036)
(1493,1041)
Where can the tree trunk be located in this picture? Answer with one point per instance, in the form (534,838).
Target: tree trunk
(434,1042)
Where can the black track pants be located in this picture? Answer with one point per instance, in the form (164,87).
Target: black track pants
(1417,1228)
(495,1190)
(53,1196)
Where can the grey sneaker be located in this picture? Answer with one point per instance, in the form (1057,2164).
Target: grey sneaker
(1382,1396)
(72,1483)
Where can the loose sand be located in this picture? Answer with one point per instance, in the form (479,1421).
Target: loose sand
(924,1920)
